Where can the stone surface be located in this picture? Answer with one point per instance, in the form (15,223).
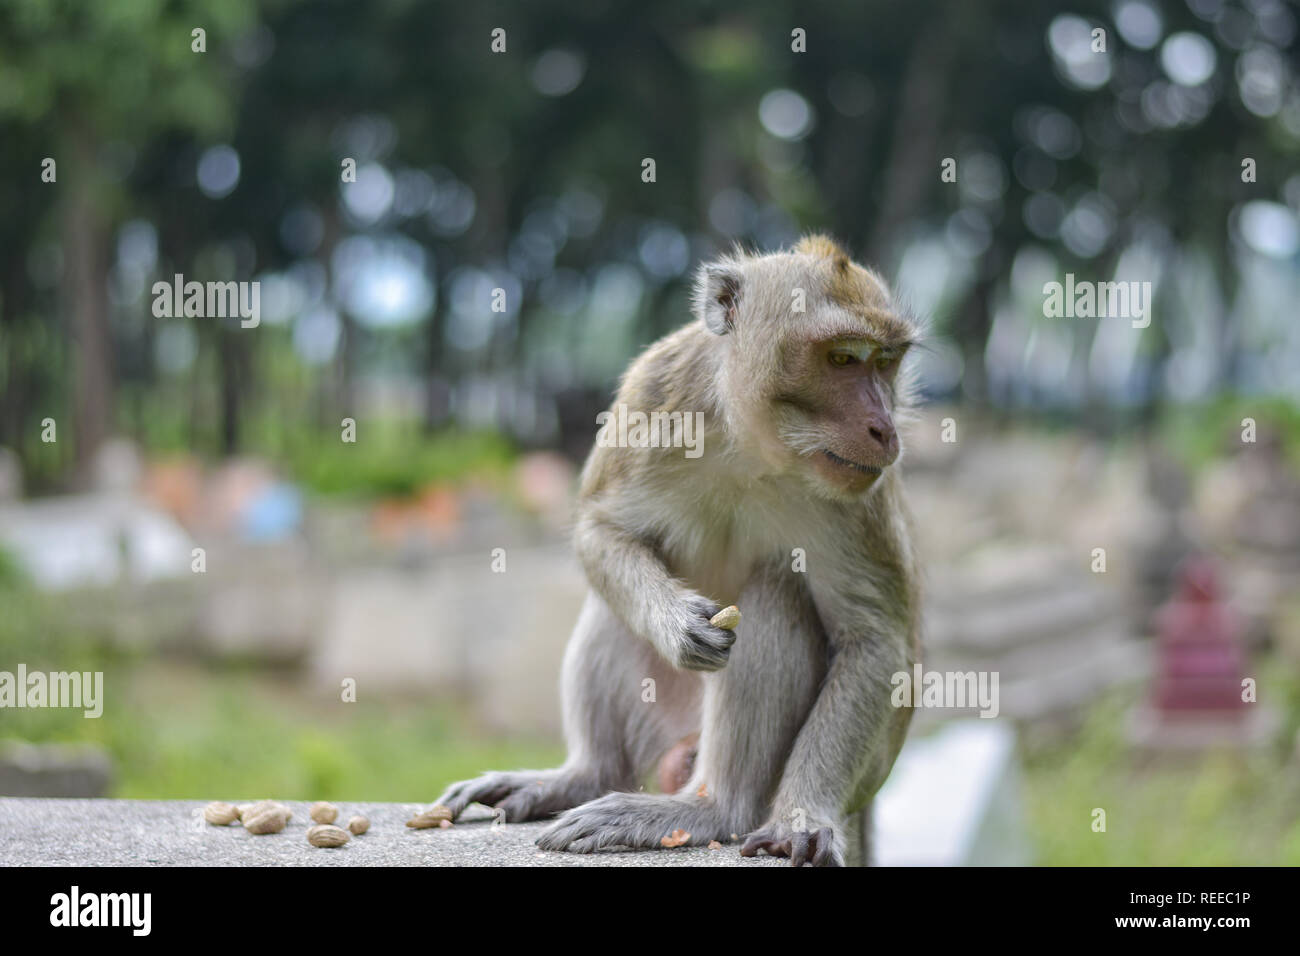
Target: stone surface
(172,833)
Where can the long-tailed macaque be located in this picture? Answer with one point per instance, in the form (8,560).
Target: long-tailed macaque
(794,512)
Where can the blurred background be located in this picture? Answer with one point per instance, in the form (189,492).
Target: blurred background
(128,441)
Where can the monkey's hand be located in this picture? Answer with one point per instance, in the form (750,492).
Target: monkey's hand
(814,845)
(523,794)
(696,644)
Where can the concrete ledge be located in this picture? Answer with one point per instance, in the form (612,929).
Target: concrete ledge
(48,832)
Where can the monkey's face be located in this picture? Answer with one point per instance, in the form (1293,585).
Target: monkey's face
(815,387)
(834,409)
(854,380)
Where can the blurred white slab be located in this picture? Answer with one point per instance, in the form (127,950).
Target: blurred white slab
(953,799)
(93,539)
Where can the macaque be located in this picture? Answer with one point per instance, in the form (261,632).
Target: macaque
(677,765)
(795,513)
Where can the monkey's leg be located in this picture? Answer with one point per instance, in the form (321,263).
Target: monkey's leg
(840,757)
(623,707)
(753,710)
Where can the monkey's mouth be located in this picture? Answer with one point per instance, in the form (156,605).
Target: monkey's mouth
(865,469)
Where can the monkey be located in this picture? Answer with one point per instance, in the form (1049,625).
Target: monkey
(676,766)
(795,512)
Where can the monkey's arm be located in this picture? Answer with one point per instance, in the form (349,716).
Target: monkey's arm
(629,574)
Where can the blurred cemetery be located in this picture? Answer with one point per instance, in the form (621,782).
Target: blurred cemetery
(428,561)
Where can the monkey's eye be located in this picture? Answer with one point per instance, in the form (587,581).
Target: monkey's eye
(841,359)
(885,361)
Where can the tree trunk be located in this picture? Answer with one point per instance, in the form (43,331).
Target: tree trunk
(913,166)
(85,243)
(232,383)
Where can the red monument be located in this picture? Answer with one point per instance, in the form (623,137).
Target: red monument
(1199,658)
(1197,695)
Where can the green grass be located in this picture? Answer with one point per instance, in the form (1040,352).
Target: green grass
(388,457)
(181,732)
(1215,809)
(190,729)
(391,459)
(1206,431)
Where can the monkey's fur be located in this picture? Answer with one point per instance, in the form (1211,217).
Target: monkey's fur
(797,728)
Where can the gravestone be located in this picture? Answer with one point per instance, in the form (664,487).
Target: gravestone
(54,770)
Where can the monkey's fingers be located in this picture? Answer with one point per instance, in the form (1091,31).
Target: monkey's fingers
(451,798)
(816,848)
(487,790)
(534,802)
(763,840)
(708,648)
(799,847)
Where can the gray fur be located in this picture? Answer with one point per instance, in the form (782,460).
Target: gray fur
(797,729)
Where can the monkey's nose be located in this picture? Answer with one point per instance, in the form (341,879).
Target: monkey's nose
(885,435)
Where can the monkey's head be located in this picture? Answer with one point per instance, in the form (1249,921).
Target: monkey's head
(812,345)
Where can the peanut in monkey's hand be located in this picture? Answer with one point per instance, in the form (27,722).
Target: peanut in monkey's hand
(727,619)
(699,644)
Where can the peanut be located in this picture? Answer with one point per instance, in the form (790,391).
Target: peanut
(252,809)
(221,814)
(269,821)
(727,619)
(323,812)
(432,817)
(324,834)
(266,817)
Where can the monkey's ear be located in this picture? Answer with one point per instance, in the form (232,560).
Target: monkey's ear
(717,296)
